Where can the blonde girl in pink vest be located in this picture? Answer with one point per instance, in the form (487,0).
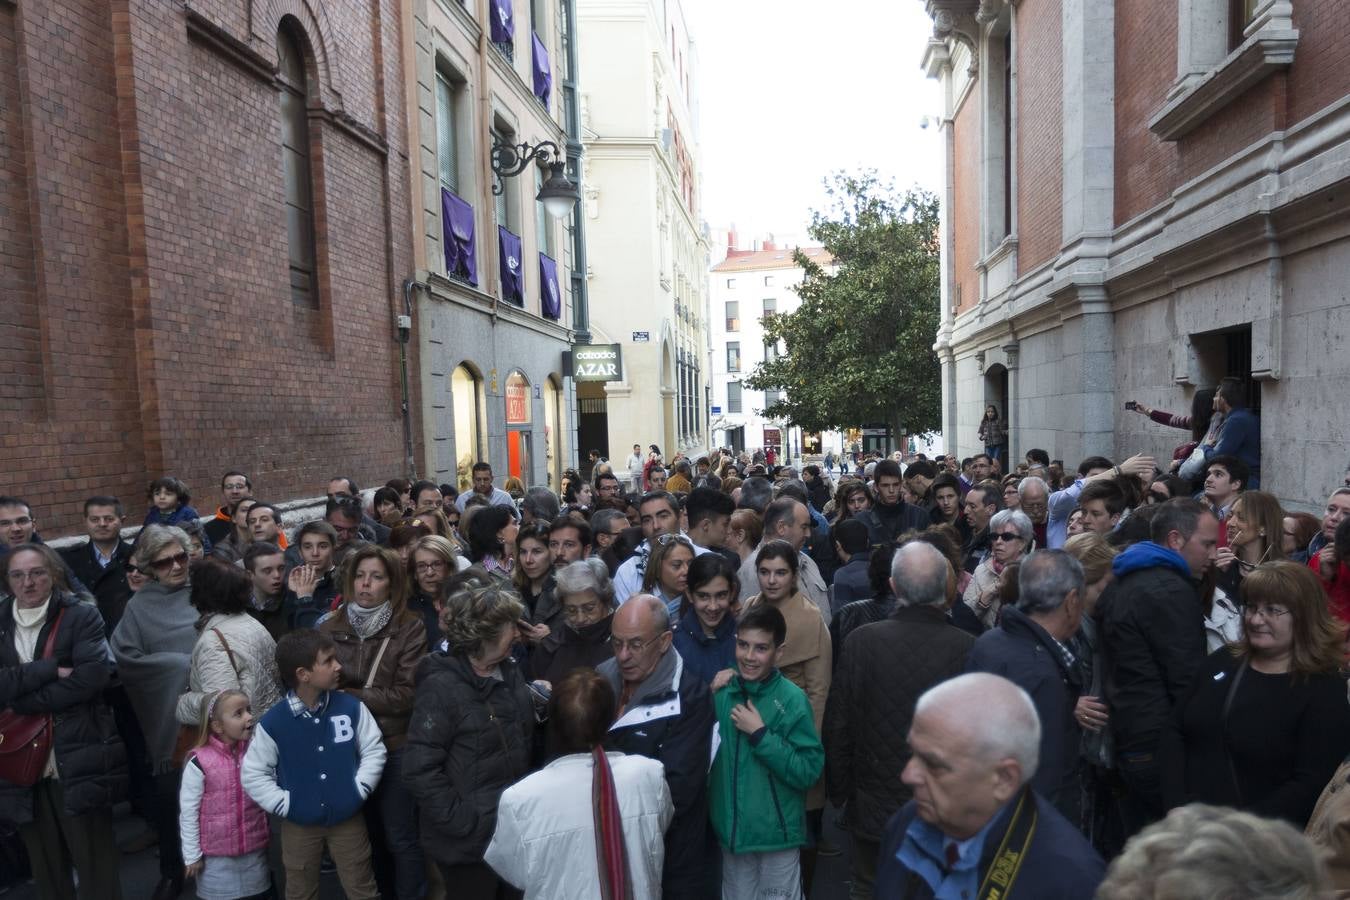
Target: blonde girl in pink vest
(224,832)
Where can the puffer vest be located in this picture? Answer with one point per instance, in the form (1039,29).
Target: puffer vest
(231,823)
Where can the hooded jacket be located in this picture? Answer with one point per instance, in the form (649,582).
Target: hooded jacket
(470,738)
(1153,640)
(91,762)
(669,718)
(758,783)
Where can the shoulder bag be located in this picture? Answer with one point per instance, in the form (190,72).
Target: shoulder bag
(190,735)
(26,740)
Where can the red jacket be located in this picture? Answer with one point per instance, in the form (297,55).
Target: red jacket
(1338,590)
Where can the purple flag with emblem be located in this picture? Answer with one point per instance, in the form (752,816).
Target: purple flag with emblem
(543,77)
(550,295)
(457,224)
(513,275)
(503,22)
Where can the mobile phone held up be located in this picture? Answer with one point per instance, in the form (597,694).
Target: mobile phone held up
(1131,405)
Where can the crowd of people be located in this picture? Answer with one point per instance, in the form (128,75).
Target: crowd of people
(996,677)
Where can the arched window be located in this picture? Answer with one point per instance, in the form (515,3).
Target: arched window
(466,410)
(295,150)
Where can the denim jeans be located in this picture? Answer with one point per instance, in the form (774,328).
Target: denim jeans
(391,816)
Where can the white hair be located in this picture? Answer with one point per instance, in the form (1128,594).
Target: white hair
(1032,481)
(1007,724)
(919,573)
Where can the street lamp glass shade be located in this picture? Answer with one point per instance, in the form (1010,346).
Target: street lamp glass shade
(558,194)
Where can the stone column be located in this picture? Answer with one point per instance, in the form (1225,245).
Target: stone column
(1089,123)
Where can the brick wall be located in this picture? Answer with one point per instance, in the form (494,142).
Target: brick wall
(966,203)
(1148,169)
(1146,66)
(170,341)
(1320,75)
(1040,145)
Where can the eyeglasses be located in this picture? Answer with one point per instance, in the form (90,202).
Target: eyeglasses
(433,566)
(586,610)
(678,538)
(21,521)
(634,645)
(164,565)
(1006,536)
(1266,612)
(16,577)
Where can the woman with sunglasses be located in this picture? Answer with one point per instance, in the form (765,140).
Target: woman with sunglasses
(667,571)
(153,645)
(1265,721)
(1010,537)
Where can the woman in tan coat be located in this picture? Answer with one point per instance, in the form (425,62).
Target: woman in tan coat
(806,660)
(379,644)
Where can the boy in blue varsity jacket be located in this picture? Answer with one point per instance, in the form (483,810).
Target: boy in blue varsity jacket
(314,759)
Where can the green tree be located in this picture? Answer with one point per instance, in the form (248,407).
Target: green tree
(859,348)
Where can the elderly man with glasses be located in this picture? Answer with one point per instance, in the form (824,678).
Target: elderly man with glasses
(665,713)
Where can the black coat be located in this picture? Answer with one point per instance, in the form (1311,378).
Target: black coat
(885,667)
(1153,641)
(470,739)
(90,759)
(1059,865)
(1025,654)
(886,523)
(108,583)
(682,742)
(1283,736)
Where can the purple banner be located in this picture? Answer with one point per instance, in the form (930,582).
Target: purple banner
(513,275)
(503,22)
(457,225)
(550,296)
(543,76)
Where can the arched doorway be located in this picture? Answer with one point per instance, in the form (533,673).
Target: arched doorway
(519,416)
(996,392)
(552,430)
(466,412)
(668,396)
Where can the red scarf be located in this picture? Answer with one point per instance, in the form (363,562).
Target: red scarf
(611,858)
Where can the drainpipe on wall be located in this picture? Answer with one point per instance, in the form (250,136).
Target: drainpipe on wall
(404,333)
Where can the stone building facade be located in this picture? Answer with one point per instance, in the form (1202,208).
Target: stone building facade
(204,231)
(1140,202)
(491,343)
(647,244)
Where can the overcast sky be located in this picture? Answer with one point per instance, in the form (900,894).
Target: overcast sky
(792,90)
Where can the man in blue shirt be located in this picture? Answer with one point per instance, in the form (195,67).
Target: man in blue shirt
(975,827)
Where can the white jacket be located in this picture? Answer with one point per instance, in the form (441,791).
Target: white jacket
(255,655)
(545,838)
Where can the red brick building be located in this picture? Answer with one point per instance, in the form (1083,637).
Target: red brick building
(204,231)
(1141,200)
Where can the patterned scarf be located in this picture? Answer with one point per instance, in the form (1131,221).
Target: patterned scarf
(611,857)
(366,622)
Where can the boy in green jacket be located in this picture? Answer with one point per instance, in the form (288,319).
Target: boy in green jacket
(768,757)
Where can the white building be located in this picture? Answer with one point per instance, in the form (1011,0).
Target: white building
(745,286)
(647,254)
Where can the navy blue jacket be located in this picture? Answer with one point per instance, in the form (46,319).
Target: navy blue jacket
(1025,654)
(1059,865)
(1240,436)
(851,582)
(706,656)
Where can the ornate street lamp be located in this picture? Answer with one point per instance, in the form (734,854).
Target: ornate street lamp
(558,194)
